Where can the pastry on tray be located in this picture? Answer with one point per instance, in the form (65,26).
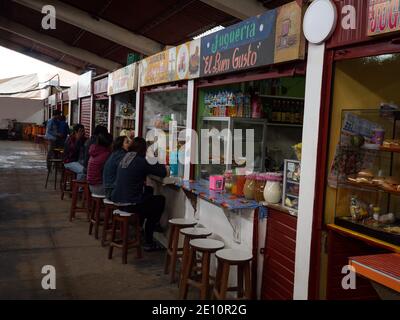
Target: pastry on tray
(391,184)
(389,143)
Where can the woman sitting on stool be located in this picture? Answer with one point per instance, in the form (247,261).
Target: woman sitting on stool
(120,148)
(130,191)
(98,155)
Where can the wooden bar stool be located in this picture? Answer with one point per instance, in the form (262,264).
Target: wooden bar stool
(109,208)
(85,207)
(95,219)
(57,165)
(191,234)
(206,247)
(226,259)
(173,250)
(121,219)
(66,182)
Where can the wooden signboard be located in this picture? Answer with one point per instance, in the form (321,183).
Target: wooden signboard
(383,16)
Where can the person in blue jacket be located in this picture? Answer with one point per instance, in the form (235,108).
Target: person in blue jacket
(130,192)
(120,148)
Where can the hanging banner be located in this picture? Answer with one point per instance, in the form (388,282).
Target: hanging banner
(73,92)
(246,45)
(175,64)
(123,80)
(383,16)
(273,37)
(52,100)
(85,85)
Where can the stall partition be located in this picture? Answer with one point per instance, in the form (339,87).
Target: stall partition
(65,105)
(73,105)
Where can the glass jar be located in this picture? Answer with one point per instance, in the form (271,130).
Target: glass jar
(249,187)
(259,188)
(273,188)
(228,176)
(240,182)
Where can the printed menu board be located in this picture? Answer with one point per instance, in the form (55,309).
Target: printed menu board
(123,80)
(383,16)
(85,85)
(174,64)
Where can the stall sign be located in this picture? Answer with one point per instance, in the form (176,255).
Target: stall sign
(123,80)
(383,16)
(272,37)
(73,92)
(174,64)
(85,85)
(100,86)
(52,100)
(289,39)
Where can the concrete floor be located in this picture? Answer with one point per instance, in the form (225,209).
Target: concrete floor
(35,231)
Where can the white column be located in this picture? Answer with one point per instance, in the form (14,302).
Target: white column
(315,65)
(109,115)
(189,125)
(138,112)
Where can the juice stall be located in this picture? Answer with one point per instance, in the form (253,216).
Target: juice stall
(239,86)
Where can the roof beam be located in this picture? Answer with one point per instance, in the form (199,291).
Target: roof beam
(26,51)
(241,9)
(100,27)
(58,45)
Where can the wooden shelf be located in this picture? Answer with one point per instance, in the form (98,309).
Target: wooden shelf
(393,150)
(280,97)
(366,187)
(369,240)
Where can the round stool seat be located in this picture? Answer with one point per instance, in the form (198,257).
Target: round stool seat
(123,213)
(196,232)
(107,201)
(98,196)
(234,255)
(207,244)
(183,222)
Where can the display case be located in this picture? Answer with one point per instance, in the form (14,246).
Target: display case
(226,160)
(124,114)
(166,110)
(101,113)
(291,185)
(366,172)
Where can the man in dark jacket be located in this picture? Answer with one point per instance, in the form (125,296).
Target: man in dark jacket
(130,193)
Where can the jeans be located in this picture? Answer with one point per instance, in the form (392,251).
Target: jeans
(77,168)
(150,210)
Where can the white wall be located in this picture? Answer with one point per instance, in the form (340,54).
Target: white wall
(23,110)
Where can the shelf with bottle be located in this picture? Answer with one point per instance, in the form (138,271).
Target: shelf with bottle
(284,111)
(226,103)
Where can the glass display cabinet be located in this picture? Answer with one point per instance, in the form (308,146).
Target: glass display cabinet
(124,115)
(291,185)
(166,111)
(366,170)
(101,113)
(226,159)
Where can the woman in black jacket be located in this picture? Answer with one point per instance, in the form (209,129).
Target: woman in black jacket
(130,190)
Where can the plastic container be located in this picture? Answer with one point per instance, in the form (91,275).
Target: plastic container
(273,188)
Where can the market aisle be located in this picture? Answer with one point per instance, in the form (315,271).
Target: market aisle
(35,231)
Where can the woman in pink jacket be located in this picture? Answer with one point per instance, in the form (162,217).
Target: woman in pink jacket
(98,155)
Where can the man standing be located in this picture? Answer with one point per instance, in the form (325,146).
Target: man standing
(52,135)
